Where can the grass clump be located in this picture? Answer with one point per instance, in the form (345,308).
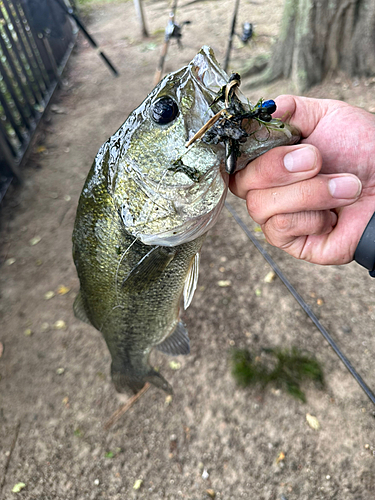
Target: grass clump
(286,368)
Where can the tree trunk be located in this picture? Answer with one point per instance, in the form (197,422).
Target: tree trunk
(321,37)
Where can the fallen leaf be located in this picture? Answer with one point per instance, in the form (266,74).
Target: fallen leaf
(59,325)
(18,487)
(210,492)
(168,400)
(270,277)
(258,229)
(41,149)
(28,332)
(175,365)
(319,302)
(62,290)
(10,261)
(67,197)
(60,371)
(65,400)
(224,283)
(258,292)
(48,295)
(313,422)
(280,457)
(58,110)
(137,484)
(35,240)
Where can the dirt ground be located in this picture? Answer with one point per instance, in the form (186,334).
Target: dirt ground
(213,438)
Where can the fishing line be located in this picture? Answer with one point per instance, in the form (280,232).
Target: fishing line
(302,303)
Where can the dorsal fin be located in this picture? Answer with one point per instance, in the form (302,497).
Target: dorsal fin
(79,309)
(191,281)
(177,343)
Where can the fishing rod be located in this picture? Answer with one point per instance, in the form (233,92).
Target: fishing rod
(167,37)
(172,30)
(70,12)
(302,303)
(231,35)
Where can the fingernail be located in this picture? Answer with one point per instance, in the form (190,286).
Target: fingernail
(300,160)
(346,186)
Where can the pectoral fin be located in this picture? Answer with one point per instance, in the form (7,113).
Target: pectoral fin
(177,343)
(191,281)
(149,268)
(79,309)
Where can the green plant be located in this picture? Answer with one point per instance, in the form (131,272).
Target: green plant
(283,367)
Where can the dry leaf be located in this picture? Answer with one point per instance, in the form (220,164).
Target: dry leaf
(210,492)
(59,325)
(270,277)
(10,261)
(175,365)
(280,457)
(224,283)
(313,422)
(41,149)
(137,484)
(48,295)
(62,290)
(35,240)
(18,487)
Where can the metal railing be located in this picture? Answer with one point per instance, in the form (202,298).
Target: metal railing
(36,38)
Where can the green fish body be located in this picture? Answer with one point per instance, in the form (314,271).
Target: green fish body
(144,211)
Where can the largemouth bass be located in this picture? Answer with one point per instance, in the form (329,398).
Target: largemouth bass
(145,208)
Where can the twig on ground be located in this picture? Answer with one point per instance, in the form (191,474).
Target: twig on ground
(12,446)
(125,407)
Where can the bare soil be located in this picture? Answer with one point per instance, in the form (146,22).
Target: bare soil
(213,438)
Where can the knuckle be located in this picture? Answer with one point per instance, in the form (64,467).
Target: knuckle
(254,203)
(306,193)
(282,223)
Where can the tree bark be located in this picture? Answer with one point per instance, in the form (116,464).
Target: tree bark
(322,37)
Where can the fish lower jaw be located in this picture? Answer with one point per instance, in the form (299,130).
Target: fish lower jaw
(188,231)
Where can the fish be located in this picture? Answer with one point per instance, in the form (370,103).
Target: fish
(147,204)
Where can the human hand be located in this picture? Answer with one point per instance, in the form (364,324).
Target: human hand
(314,199)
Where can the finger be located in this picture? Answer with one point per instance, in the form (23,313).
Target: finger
(278,167)
(282,230)
(303,112)
(322,192)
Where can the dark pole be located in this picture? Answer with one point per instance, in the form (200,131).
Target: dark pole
(87,35)
(164,50)
(230,41)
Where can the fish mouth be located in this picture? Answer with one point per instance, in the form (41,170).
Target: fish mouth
(206,70)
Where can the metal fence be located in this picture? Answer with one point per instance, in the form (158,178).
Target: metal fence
(36,38)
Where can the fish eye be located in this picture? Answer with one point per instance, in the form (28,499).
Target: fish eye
(164,110)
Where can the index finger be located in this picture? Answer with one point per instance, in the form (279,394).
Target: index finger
(303,112)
